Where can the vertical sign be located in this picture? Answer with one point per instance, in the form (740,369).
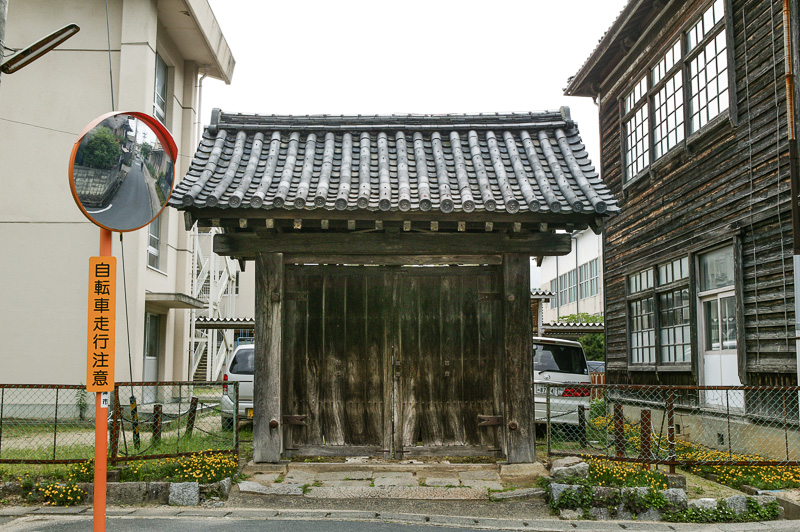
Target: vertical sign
(102,321)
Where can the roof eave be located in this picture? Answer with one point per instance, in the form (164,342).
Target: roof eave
(215,55)
(585,81)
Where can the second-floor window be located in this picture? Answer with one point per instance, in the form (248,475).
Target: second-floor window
(683,91)
(160,98)
(589,279)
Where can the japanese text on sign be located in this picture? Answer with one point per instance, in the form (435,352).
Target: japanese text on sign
(102,321)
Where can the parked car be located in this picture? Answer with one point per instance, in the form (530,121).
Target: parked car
(240,369)
(561,362)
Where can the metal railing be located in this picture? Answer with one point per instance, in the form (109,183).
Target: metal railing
(54,424)
(671,425)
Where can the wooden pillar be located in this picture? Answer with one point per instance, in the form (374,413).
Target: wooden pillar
(267,440)
(518,361)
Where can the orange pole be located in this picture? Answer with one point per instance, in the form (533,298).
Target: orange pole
(101,432)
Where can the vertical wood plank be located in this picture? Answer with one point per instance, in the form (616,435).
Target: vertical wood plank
(314,368)
(333,364)
(432,372)
(407,308)
(490,344)
(519,427)
(450,335)
(355,361)
(290,348)
(267,444)
(474,372)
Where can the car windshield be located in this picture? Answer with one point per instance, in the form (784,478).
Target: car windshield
(559,358)
(243,362)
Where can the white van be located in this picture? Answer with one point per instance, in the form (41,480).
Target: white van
(240,369)
(560,362)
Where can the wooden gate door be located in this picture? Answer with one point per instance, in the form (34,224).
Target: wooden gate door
(391,361)
(447,362)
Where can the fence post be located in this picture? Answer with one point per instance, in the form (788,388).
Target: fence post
(547,413)
(156,424)
(728,408)
(191,417)
(236,418)
(619,430)
(55,427)
(582,439)
(135,422)
(645,427)
(2,405)
(671,428)
(115,425)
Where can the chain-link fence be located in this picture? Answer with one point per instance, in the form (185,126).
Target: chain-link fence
(56,423)
(671,425)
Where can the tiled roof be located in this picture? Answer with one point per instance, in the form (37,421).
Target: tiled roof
(540,292)
(533,162)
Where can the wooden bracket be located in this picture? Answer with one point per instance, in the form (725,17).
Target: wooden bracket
(295,420)
(488,421)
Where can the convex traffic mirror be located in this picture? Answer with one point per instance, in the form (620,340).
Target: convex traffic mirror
(122,170)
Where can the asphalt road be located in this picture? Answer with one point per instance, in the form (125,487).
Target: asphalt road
(131,206)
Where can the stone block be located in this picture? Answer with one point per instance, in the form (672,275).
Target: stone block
(601,514)
(651,514)
(604,496)
(556,489)
(343,475)
(345,483)
(737,503)
(184,494)
(13,488)
(88,489)
(283,488)
(394,482)
(567,461)
(158,492)
(266,478)
(561,474)
(479,475)
(519,474)
(523,493)
(675,481)
(126,492)
(705,503)
(442,481)
(570,514)
(676,499)
(220,489)
(483,484)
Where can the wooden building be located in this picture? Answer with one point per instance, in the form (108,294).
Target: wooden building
(698,272)
(392,260)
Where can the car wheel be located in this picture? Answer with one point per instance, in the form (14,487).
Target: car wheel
(227,423)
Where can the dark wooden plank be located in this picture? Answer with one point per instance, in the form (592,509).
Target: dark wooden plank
(314,368)
(333,405)
(432,372)
(407,356)
(474,383)
(451,350)
(355,364)
(246,245)
(393,260)
(267,441)
(518,392)
(490,326)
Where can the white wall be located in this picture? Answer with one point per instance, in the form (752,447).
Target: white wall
(586,246)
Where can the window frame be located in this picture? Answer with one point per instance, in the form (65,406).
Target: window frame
(654,291)
(160,110)
(681,65)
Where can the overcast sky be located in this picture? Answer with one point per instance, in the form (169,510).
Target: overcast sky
(408,56)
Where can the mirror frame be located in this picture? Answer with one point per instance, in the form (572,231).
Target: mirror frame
(164,137)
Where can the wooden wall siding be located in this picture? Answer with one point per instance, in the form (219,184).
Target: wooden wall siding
(729,180)
(383,358)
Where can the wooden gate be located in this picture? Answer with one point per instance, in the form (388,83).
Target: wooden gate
(392,360)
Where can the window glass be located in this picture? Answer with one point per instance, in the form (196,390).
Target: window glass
(160,100)
(708,82)
(154,243)
(673,271)
(716,269)
(559,359)
(642,331)
(668,115)
(637,142)
(640,281)
(727,313)
(674,326)
(244,362)
(669,60)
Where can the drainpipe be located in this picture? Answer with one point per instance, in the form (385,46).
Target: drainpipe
(793,172)
(200,104)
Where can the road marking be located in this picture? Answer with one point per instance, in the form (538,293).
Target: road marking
(101,210)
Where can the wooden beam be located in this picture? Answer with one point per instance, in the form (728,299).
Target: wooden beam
(520,430)
(246,245)
(392,260)
(267,421)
